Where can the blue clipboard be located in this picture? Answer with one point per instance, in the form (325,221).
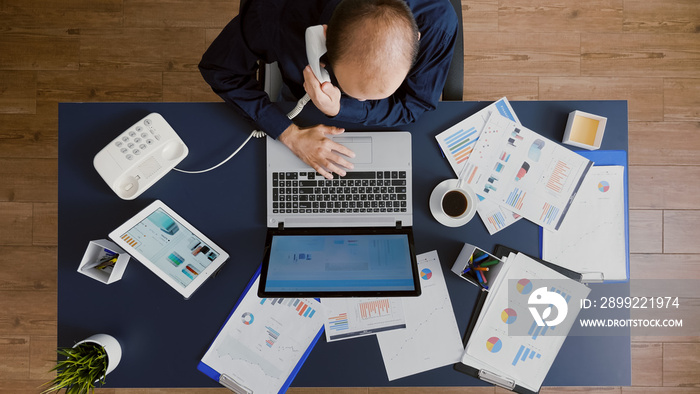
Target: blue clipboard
(611,158)
(212,373)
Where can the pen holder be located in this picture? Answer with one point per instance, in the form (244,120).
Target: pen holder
(104,261)
(477,266)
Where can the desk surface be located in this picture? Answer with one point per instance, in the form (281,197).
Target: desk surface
(163,336)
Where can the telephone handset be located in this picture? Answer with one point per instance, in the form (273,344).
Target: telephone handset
(315,48)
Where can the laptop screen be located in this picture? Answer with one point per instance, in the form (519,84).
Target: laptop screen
(339,262)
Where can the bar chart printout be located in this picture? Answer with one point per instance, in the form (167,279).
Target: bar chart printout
(356,317)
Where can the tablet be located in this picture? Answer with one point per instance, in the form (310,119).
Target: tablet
(339,262)
(170,247)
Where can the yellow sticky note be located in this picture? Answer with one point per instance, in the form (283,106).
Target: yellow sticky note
(584,130)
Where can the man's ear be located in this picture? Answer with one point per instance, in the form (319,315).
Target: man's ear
(325,27)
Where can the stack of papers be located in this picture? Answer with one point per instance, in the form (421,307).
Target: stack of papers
(506,341)
(518,170)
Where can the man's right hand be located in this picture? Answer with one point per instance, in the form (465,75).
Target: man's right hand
(314,148)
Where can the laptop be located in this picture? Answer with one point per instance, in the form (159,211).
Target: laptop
(346,237)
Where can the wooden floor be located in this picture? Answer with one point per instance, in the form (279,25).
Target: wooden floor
(643,51)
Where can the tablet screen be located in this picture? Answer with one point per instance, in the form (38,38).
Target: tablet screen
(340,263)
(170,246)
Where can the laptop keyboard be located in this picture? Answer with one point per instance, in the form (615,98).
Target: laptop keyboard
(357,192)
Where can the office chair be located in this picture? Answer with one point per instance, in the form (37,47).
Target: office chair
(269,74)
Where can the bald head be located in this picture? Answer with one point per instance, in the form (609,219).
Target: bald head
(372,45)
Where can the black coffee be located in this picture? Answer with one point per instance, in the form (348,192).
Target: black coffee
(454,203)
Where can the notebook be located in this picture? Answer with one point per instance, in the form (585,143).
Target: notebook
(345,237)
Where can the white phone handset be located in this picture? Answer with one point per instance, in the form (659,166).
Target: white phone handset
(315,48)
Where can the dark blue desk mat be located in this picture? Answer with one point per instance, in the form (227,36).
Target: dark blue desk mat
(163,336)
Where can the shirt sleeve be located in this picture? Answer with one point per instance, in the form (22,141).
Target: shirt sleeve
(419,93)
(230,66)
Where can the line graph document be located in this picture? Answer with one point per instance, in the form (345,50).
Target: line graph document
(431,338)
(264,339)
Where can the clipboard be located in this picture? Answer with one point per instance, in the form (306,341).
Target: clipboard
(490,376)
(231,383)
(608,158)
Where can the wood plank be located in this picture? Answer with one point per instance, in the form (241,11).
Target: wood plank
(646,229)
(30,135)
(478,88)
(187,87)
(681,364)
(143,49)
(588,390)
(659,390)
(42,357)
(561,16)
(23,386)
(28,313)
(640,55)
(16,223)
(429,390)
(179,13)
(647,364)
(45,224)
(41,276)
(664,143)
(14,351)
(665,266)
(682,99)
(18,92)
(644,95)
(667,187)
(39,49)
(522,54)
(675,16)
(480,16)
(681,231)
(61,14)
(100,86)
(29,180)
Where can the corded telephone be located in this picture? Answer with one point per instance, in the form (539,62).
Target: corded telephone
(149,149)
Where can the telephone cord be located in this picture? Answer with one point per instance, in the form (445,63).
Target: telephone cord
(256,133)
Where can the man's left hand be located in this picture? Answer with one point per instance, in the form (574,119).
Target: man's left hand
(325,96)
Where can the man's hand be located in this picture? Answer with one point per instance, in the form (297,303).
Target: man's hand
(326,97)
(315,149)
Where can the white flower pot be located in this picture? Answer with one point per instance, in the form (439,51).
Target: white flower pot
(111,346)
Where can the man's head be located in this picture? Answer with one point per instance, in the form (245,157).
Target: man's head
(372,45)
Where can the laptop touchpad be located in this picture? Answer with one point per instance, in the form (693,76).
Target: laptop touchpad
(362,146)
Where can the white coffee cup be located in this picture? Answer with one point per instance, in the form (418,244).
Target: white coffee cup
(453,204)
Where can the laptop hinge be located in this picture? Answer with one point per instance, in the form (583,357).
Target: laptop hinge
(398,225)
(280,226)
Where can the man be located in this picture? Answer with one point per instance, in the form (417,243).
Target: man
(388,61)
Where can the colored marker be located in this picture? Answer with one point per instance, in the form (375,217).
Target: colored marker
(483,256)
(489,263)
(466,270)
(481,268)
(482,276)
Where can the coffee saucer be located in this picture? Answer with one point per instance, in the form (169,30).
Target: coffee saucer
(436,204)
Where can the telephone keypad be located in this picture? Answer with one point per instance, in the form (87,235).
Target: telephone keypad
(137,140)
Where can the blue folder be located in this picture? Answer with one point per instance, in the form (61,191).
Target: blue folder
(212,373)
(611,158)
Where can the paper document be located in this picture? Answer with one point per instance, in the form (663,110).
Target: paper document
(525,358)
(264,339)
(524,172)
(591,240)
(458,142)
(356,317)
(431,338)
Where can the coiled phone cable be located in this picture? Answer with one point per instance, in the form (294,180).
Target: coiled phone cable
(256,133)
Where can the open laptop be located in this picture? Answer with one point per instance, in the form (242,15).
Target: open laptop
(347,237)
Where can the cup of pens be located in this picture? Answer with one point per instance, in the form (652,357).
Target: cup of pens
(477,266)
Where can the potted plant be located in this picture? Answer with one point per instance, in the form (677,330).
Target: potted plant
(85,364)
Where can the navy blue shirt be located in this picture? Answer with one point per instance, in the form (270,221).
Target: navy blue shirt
(273,30)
